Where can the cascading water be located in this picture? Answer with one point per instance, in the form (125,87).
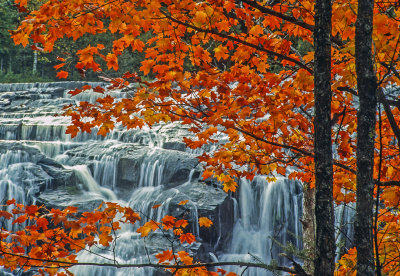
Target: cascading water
(269,219)
(139,168)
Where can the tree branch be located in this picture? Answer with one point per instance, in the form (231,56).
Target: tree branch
(304,152)
(388,183)
(297,267)
(355,93)
(66,264)
(288,18)
(389,114)
(238,40)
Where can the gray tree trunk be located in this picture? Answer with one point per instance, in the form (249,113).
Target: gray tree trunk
(366,116)
(324,216)
(35,61)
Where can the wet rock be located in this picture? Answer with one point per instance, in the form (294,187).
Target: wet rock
(204,201)
(134,161)
(216,205)
(33,170)
(70,196)
(180,146)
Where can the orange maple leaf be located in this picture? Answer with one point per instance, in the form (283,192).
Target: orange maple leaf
(188,237)
(112,61)
(20,219)
(168,222)
(165,256)
(147,65)
(42,223)
(62,75)
(58,66)
(5,214)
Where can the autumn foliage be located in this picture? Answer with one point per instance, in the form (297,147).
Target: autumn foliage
(240,70)
(51,239)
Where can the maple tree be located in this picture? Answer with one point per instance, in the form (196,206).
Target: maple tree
(246,70)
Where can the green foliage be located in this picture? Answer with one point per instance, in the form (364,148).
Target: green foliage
(10,77)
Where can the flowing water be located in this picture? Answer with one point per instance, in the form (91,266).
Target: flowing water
(139,168)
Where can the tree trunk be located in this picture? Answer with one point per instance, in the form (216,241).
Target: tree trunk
(1,65)
(10,64)
(308,222)
(35,60)
(324,216)
(366,116)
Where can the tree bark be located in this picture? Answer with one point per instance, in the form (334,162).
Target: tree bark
(308,222)
(324,216)
(35,61)
(10,64)
(366,117)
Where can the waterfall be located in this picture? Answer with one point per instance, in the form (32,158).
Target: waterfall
(139,168)
(269,219)
(344,228)
(90,184)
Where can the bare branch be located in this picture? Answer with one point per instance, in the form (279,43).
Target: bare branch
(388,183)
(389,114)
(65,264)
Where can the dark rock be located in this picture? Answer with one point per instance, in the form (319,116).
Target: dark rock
(180,146)
(32,169)
(59,176)
(214,204)
(58,92)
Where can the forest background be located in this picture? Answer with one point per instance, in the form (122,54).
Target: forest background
(23,64)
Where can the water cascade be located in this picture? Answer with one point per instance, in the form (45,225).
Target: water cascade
(39,163)
(269,220)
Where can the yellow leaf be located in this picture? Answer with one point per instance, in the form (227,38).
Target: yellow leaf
(183,202)
(256,30)
(389,172)
(205,222)
(221,52)
(229,185)
(147,228)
